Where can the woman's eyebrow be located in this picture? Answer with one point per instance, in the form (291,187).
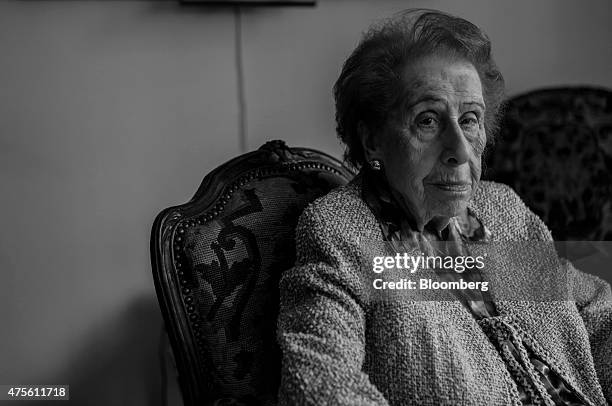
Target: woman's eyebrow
(425,98)
(437,99)
(474,102)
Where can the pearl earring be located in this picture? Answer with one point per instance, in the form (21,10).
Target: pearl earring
(376,164)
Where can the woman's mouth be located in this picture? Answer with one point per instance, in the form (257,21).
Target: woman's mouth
(459,187)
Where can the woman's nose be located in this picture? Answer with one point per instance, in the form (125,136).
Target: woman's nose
(456,147)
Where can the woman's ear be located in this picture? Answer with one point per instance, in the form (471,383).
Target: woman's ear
(369,143)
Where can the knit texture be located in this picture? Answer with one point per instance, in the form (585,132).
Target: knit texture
(340,347)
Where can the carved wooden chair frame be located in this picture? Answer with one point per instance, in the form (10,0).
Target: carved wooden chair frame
(180,316)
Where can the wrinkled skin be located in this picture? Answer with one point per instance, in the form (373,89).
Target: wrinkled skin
(431,150)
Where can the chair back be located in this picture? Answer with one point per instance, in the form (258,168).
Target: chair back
(555,150)
(216,264)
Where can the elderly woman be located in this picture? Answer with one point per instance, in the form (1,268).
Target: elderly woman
(416,104)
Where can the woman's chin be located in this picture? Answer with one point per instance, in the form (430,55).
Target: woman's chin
(451,208)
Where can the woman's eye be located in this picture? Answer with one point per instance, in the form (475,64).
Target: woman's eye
(469,122)
(427,122)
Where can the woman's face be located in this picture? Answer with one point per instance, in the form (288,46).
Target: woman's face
(431,150)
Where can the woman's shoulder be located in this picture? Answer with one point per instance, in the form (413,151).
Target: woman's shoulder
(494,194)
(505,213)
(341,212)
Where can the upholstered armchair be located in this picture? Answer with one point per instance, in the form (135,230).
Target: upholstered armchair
(216,264)
(555,150)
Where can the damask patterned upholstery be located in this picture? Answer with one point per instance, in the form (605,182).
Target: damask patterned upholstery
(555,150)
(217,261)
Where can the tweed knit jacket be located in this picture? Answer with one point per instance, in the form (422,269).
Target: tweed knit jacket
(340,347)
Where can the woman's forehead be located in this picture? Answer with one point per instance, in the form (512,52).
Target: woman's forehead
(438,78)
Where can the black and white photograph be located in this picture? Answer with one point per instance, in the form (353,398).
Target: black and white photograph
(306,202)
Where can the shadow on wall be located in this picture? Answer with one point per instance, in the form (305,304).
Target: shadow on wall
(117,362)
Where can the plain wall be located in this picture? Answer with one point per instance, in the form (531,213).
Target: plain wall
(111,111)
